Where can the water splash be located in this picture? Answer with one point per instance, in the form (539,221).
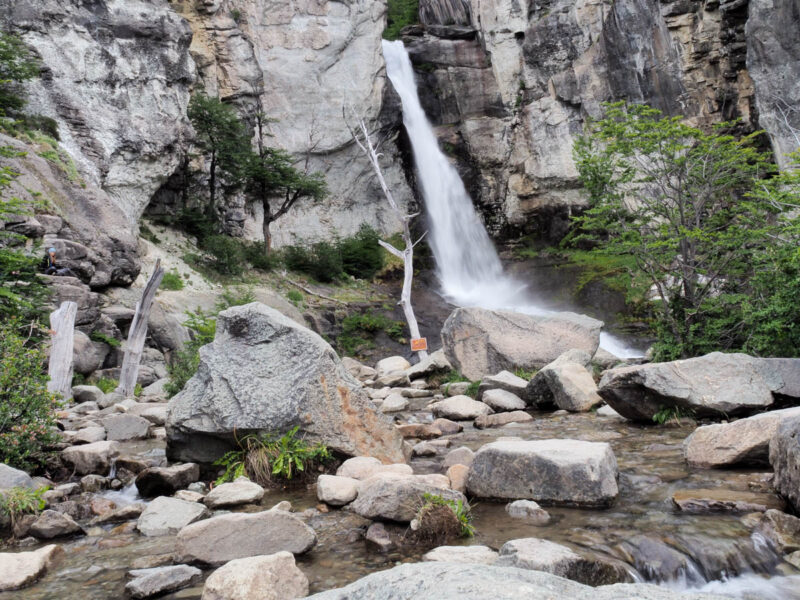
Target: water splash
(468,266)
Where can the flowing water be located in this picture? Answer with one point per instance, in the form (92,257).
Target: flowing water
(468,266)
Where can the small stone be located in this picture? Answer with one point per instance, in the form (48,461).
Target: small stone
(235,493)
(500,419)
(189,496)
(502,400)
(51,524)
(447,427)
(425,449)
(336,490)
(479,555)
(167,516)
(459,456)
(528,510)
(126,427)
(419,431)
(781,529)
(379,536)
(11,477)
(699,501)
(163,481)
(90,458)
(274,577)
(458,388)
(394,403)
(160,580)
(458,475)
(101,506)
(460,408)
(93,483)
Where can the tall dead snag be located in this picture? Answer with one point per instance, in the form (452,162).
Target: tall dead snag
(138,334)
(364,141)
(62,326)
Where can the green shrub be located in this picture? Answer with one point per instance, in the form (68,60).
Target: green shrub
(525,374)
(362,255)
(439,519)
(106,384)
(172,281)
(295,297)
(16,502)
(666,414)
(358,331)
(99,336)
(255,255)
(472,390)
(228,253)
(263,458)
(400,13)
(27,420)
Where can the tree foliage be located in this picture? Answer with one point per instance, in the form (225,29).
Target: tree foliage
(17,64)
(685,205)
(400,13)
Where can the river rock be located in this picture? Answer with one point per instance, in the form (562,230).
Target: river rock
(459,408)
(87,393)
(435,363)
(336,490)
(168,516)
(394,403)
(500,419)
(713,385)
(391,365)
(476,555)
(457,388)
(220,539)
(120,515)
(568,472)
(446,426)
(480,342)
(265,372)
(89,435)
(397,498)
(459,456)
(528,510)
(364,467)
(11,477)
(504,380)
(540,555)
(501,400)
(126,427)
(51,524)
(161,580)
(701,501)
(607,411)
(573,387)
(240,491)
(271,577)
(90,458)
(479,582)
(745,441)
(19,569)
(784,456)
(165,481)
(458,476)
(379,536)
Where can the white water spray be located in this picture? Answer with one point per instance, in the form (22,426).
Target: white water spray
(467,263)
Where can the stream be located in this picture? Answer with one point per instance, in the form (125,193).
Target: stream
(657,543)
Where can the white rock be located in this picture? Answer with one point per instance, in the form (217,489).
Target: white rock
(460,408)
(481,555)
(502,401)
(18,569)
(336,490)
(241,491)
(270,577)
(391,364)
(167,516)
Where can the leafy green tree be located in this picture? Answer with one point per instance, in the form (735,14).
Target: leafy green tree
(223,138)
(399,14)
(17,64)
(678,200)
(273,180)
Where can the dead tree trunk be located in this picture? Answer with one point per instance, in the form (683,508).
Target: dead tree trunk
(364,141)
(138,334)
(62,325)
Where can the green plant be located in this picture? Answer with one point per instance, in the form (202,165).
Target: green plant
(263,458)
(172,281)
(362,255)
(106,384)
(295,297)
(439,519)
(359,330)
(137,390)
(103,338)
(17,64)
(236,15)
(18,501)
(27,421)
(400,14)
(472,389)
(229,256)
(670,413)
(525,374)
(148,234)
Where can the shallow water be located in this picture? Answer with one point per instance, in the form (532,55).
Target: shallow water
(642,529)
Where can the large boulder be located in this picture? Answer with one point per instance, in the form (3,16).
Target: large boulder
(784,456)
(565,472)
(713,385)
(478,582)
(18,569)
(264,372)
(220,539)
(397,498)
(480,342)
(271,577)
(11,477)
(745,441)
(126,427)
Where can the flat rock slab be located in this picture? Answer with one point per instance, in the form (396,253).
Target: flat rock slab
(19,569)
(503,418)
(397,498)
(502,400)
(364,467)
(480,555)
(745,441)
(272,577)
(459,408)
(504,380)
(160,580)
(167,516)
(241,491)
(713,385)
(220,539)
(565,472)
(700,501)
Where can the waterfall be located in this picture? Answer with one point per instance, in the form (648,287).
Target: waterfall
(467,263)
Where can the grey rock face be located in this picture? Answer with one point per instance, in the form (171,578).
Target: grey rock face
(160,580)
(396,498)
(540,555)
(218,540)
(478,582)
(167,516)
(165,481)
(264,372)
(745,441)
(11,477)
(784,456)
(479,342)
(567,472)
(712,385)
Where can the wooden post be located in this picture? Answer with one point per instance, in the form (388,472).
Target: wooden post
(62,326)
(138,334)
(407,254)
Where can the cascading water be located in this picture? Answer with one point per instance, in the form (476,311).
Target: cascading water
(467,263)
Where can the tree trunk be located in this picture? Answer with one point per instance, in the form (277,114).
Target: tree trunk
(62,324)
(265,228)
(138,334)
(212,185)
